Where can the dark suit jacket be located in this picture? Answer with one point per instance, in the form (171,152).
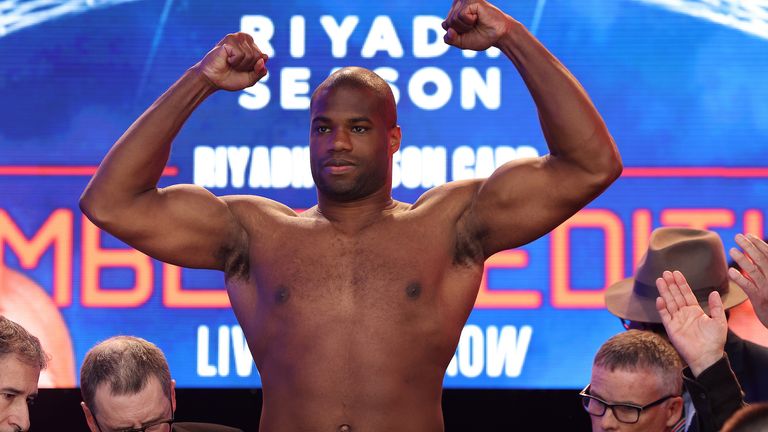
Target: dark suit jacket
(715,394)
(749,362)
(202,427)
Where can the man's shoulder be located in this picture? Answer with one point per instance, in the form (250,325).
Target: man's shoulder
(253,205)
(749,348)
(458,191)
(203,427)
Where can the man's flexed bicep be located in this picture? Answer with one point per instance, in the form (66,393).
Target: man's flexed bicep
(525,199)
(185,225)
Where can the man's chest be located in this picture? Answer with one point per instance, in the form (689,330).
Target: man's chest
(394,263)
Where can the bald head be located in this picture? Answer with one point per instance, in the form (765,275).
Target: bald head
(360,78)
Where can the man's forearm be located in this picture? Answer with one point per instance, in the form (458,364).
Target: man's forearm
(136,161)
(571,124)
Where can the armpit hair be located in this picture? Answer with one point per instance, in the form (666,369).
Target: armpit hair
(236,260)
(468,249)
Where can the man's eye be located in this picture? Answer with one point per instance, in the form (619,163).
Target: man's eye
(359,129)
(322,129)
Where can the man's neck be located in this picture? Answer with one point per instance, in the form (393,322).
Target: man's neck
(358,214)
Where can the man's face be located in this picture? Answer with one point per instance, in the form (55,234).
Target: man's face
(18,386)
(351,144)
(131,411)
(639,387)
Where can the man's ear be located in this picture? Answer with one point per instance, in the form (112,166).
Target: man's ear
(395,136)
(674,410)
(173,395)
(89,418)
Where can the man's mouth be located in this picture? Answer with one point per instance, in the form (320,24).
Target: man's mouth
(338,166)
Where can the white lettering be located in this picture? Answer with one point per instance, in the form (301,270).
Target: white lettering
(298,36)
(256,96)
(463,160)
(484,164)
(414,167)
(210,165)
(294,88)
(281,167)
(204,368)
(423,27)
(507,350)
(230,340)
(260,173)
(261,30)
(436,77)
(468,163)
(301,173)
(238,162)
(339,34)
(492,351)
(470,351)
(473,87)
(382,37)
(223,351)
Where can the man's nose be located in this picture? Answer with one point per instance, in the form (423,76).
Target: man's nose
(341,141)
(608,421)
(19,417)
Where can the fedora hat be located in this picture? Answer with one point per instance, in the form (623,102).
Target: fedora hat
(698,254)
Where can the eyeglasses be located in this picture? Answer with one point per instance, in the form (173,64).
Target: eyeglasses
(625,413)
(161,426)
(657,328)
(158,426)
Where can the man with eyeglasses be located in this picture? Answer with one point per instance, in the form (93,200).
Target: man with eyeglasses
(636,381)
(636,385)
(127,387)
(21,360)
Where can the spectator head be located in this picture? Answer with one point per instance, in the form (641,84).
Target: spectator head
(125,383)
(21,360)
(752,418)
(636,384)
(698,254)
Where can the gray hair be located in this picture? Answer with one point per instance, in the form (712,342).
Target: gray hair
(634,350)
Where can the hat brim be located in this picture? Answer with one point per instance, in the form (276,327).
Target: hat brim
(622,302)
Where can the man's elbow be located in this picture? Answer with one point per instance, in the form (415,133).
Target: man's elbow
(94,208)
(606,163)
(614,167)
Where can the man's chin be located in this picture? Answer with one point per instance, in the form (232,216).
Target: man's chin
(341,192)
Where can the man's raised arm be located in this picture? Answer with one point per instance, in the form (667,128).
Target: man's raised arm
(525,199)
(183,224)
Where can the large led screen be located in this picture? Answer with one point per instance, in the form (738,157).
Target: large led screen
(681,85)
